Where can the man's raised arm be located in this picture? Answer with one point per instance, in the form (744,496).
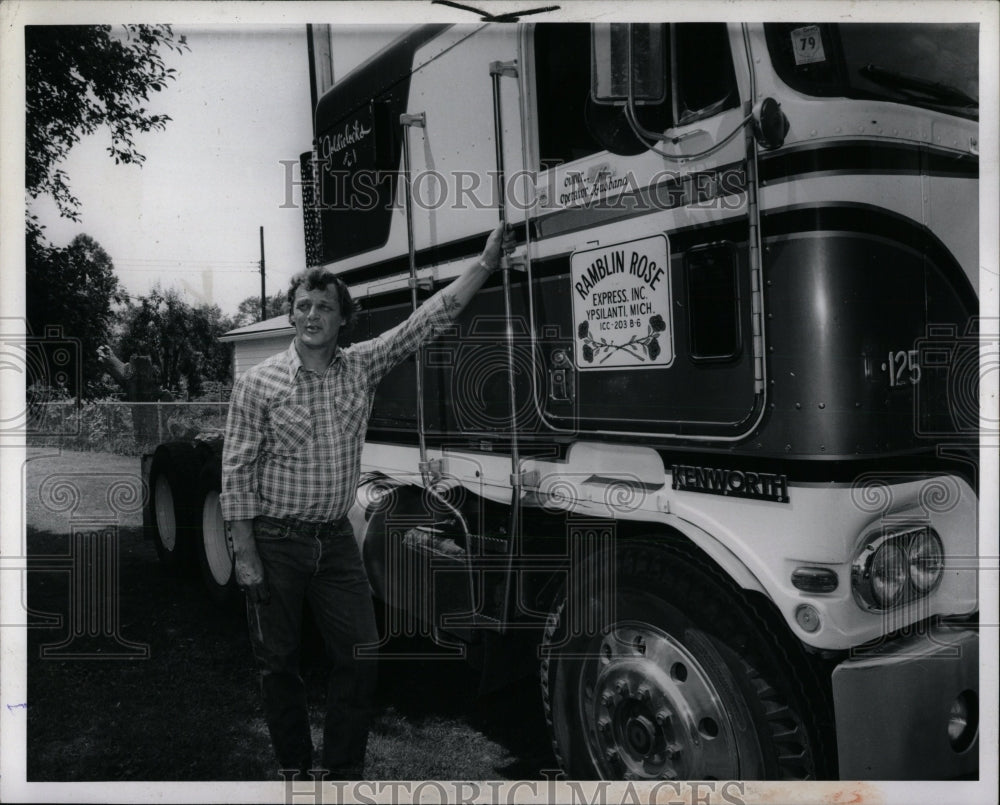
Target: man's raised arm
(386,350)
(460,292)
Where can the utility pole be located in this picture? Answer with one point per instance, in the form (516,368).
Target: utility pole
(263,293)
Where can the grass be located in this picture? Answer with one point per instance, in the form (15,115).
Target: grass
(190,709)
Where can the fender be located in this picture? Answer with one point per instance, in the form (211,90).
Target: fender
(376,494)
(729,562)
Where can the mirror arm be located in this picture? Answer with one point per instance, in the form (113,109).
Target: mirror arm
(645,135)
(640,131)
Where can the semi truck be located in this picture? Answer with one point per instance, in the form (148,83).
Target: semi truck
(703,455)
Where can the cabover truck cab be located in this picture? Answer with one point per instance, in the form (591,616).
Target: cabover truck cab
(704,452)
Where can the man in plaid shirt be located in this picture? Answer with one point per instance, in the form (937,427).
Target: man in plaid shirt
(290,467)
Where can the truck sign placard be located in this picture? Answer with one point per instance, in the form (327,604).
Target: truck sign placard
(621,305)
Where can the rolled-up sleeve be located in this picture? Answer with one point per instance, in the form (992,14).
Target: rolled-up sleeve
(393,345)
(240,452)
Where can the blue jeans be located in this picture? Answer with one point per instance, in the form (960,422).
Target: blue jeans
(319,562)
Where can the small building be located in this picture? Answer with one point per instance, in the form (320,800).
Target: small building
(255,342)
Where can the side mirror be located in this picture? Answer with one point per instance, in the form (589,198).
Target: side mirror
(615,46)
(769,124)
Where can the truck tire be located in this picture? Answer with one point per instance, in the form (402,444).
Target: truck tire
(215,552)
(682,679)
(174,504)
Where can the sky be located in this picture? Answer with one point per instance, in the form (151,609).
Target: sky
(190,216)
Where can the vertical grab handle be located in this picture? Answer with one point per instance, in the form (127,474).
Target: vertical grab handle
(430,471)
(497,71)
(420,121)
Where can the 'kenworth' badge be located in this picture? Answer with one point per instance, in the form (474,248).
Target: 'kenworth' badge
(734,483)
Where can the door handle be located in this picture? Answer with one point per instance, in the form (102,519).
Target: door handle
(562,385)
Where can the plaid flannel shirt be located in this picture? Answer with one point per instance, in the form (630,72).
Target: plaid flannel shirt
(294,437)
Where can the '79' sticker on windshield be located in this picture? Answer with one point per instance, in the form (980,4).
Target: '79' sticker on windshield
(621,305)
(807,45)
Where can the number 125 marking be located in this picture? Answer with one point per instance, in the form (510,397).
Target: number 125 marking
(904,368)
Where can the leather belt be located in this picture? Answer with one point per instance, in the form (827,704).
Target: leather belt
(308,528)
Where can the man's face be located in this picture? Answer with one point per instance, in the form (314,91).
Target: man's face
(316,316)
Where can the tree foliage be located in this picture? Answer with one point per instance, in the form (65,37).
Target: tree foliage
(248,311)
(73,289)
(79,78)
(182,340)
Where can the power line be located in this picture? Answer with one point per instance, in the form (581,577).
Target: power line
(186,262)
(192,269)
(166,263)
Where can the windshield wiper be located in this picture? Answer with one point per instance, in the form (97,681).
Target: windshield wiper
(933,89)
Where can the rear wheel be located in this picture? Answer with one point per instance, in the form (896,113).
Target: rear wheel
(166,520)
(172,502)
(216,555)
(679,680)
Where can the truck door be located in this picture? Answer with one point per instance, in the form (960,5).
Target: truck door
(641,292)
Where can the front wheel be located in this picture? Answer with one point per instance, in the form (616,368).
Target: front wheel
(679,679)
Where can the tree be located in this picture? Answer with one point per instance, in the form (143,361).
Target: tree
(79,78)
(75,289)
(168,345)
(206,324)
(248,311)
(140,383)
(182,341)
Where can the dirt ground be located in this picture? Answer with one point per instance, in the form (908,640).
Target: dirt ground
(161,685)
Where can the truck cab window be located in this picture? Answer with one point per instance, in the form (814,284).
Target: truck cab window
(713,301)
(703,66)
(562,71)
(935,66)
(571,125)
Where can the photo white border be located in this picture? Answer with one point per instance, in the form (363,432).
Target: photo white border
(15,15)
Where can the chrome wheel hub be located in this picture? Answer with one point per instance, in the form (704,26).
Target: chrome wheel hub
(651,712)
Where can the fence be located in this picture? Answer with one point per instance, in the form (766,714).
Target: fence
(125,428)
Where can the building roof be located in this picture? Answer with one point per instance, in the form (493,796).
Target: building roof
(262,329)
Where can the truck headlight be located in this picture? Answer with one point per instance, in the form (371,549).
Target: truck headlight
(894,568)
(888,574)
(926,560)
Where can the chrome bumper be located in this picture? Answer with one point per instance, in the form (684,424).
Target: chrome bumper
(893,702)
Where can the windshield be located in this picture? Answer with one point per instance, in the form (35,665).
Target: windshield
(933,66)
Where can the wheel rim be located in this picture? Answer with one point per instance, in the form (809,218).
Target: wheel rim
(651,712)
(166,523)
(218,553)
